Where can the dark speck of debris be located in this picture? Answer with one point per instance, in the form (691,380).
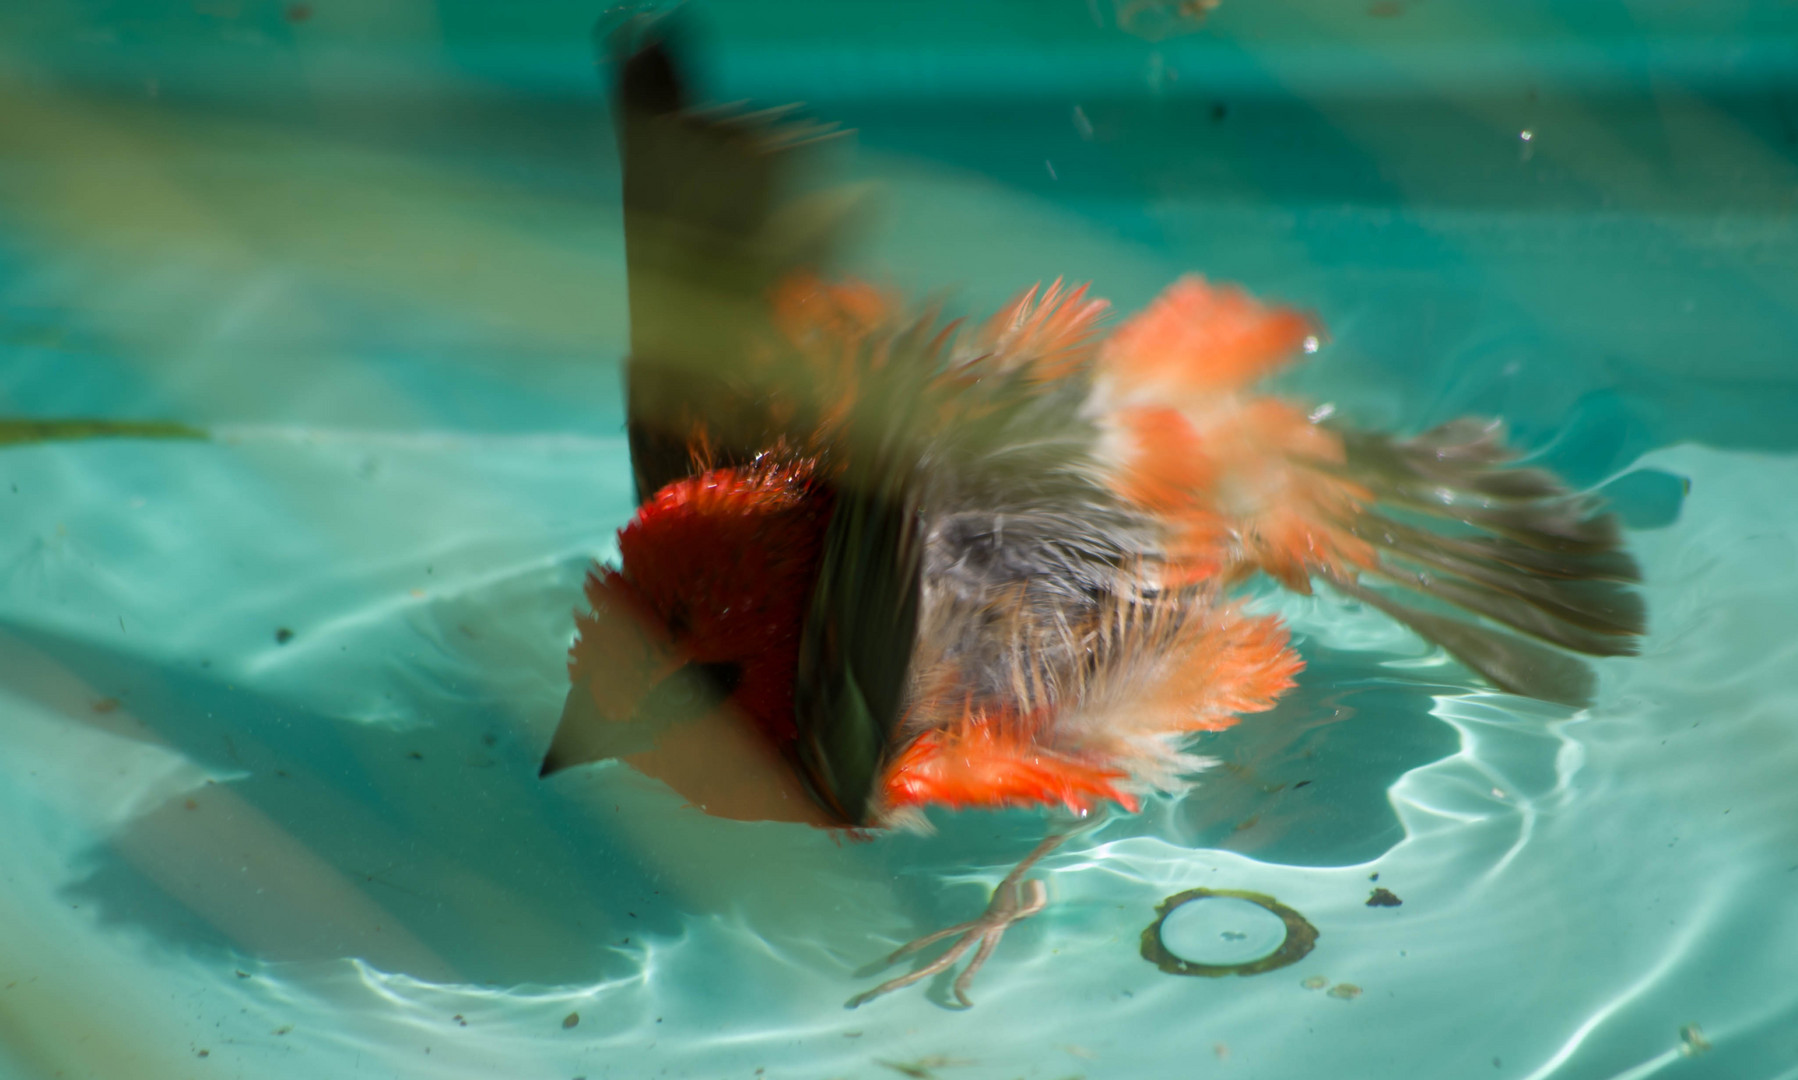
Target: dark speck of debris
(1383,898)
(489,739)
(1300,784)
(416,756)
(191,805)
(106,704)
(458,1019)
(284,1029)
(1375,876)
(241,974)
(299,13)
(283,636)
(203,1053)
(571,1020)
(1219,113)
(1496,1063)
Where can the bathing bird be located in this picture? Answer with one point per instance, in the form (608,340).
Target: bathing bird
(883,562)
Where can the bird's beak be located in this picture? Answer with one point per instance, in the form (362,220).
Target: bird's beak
(571,744)
(586,734)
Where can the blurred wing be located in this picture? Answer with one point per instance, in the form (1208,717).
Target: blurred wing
(714,217)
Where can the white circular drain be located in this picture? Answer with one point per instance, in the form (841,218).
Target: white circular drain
(1217,932)
(1222,930)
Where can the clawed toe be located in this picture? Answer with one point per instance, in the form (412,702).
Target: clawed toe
(1012,902)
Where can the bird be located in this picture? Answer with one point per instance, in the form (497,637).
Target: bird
(885,562)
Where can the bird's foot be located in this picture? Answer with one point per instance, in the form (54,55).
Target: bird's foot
(1012,901)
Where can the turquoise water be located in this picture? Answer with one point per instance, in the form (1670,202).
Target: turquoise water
(273,702)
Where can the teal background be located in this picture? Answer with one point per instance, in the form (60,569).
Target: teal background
(374,250)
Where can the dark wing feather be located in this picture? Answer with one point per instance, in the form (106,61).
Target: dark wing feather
(1459,523)
(857,649)
(714,217)
(856,655)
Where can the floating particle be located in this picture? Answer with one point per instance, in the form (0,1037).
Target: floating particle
(1222,1050)
(1315,982)
(283,636)
(1345,991)
(202,1053)
(284,1029)
(298,13)
(1692,1041)
(1383,897)
(458,1019)
(106,705)
(571,1020)
(922,1069)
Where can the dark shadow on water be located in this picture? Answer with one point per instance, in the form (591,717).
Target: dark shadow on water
(1305,784)
(433,852)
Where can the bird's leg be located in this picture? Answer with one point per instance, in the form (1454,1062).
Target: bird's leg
(1013,900)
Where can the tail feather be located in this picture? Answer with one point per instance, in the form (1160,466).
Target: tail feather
(1549,563)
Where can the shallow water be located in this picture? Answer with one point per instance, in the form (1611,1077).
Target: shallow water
(273,702)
